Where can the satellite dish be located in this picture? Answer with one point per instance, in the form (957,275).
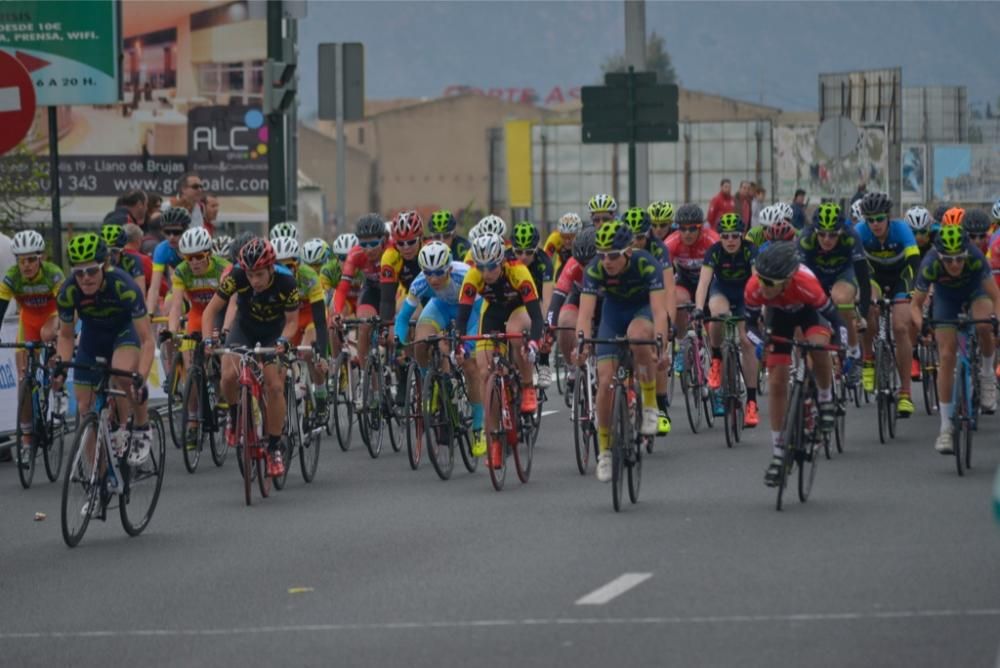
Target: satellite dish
(837,137)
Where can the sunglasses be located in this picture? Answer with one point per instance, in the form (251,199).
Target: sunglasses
(441,237)
(435,273)
(609,255)
(828,235)
(954,259)
(31,259)
(489,266)
(173,232)
(407,243)
(196,186)
(978,237)
(369,243)
(730,236)
(524,251)
(688,229)
(770,282)
(89,270)
(880,218)
(601,218)
(660,226)
(198,257)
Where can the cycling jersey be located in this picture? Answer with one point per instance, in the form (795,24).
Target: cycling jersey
(952,294)
(687,260)
(261,312)
(459,247)
(756,236)
(832,263)
(658,250)
(994,257)
(421,292)
(165,255)
(513,289)
(358,267)
(329,273)
(557,250)
(642,275)
(540,268)
(38,294)
(731,268)
(396,272)
(309,286)
(892,254)
(199,290)
(130,265)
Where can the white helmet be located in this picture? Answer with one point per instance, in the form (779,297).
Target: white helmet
(286,229)
(996,211)
(388,228)
(285,248)
(315,251)
(570,223)
(856,211)
(487,248)
(222,245)
(343,244)
(770,215)
(918,218)
(195,240)
(434,256)
(493,224)
(28,242)
(785,210)
(475,232)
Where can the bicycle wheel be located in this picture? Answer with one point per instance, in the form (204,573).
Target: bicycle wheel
(494,411)
(558,369)
(619,436)
(731,419)
(463,434)
(962,436)
(524,447)
(264,481)
(689,386)
(81,483)
(390,409)
(292,438)
(923,358)
(216,433)
(175,395)
(439,429)
(138,501)
(342,396)
(26,456)
(584,430)
(309,454)
(791,437)
(807,456)
(840,426)
(371,415)
(55,429)
(413,419)
(193,417)
(633,452)
(246,440)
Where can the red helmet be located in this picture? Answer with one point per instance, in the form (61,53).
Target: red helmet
(257,254)
(780,231)
(407,225)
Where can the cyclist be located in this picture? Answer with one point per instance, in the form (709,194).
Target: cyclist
(524,248)
(399,265)
(267,306)
(490,224)
(222,246)
(631,282)
(893,254)
(438,286)
(833,252)
(113,325)
(602,209)
(961,280)
(173,222)
(724,275)
(565,301)
(686,249)
(661,216)
(114,237)
(510,304)
(363,264)
(794,299)
(285,229)
(757,235)
(923,227)
(559,244)
(976,224)
(776,225)
(316,253)
(641,225)
(443,227)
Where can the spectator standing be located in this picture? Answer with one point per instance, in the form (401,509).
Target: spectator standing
(211,213)
(134,202)
(190,196)
(722,203)
(799,209)
(759,195)
(133,246)
(744,201)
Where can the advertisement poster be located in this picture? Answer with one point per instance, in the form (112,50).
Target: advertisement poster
(192,87)
(799,163)
(967,173)
(913,176)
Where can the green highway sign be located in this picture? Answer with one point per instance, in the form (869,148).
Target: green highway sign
(616,113)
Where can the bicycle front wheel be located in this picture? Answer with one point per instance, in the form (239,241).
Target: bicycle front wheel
(962,437)
(390,407)
(82,482)
(143,482)
(690,387)
(175,395)
(55,429)
(438,426)
(413,418)
(192,417)
(26,455)
(341,395)
(633,458)
(371,414)
(619,436)
(584,430)
(497,438)
(216,431)
(791,438)
(731,419)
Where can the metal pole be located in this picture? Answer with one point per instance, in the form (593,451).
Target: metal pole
(341,149)
(57,255)
(291,135)
(633,177)
(635,56)
(276,199)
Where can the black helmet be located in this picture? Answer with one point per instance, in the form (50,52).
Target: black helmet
(241,240)
(976,221)
(584,244)
(874,204)
(370,225)
(778,260)
(689,214)
(175,216)
(940,211)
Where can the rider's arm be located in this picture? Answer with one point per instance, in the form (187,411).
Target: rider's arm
(555,305)
(211,314)
(862,270)
(585,315)
(64,342)
(534,308)
(3,307)
(402,324)
(917,308)
(704,280)
(147,349)
(153,294)
(319,320)
(670,288)
(291,327)
(176,306)
(909,273)
(387,303)
(659,313)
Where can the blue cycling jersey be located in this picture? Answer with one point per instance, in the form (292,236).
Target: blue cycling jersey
(892,254)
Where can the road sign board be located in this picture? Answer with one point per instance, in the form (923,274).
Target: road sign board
(610,116)
(600,134)
(620,79)
(17,102)
(353,73)
(837,137)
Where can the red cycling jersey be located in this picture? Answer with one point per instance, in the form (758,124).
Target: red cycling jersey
(994,256)
(571,277)
(357,262)
(803,290)
(687,260)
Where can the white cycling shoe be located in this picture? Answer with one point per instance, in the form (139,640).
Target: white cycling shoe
(604,466)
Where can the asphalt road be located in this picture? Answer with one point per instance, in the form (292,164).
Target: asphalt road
(892,562)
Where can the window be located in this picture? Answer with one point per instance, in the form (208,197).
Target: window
(224,82)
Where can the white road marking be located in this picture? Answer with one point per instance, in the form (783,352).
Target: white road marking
(614,589)
(10,99)
(552,412)
(824,617)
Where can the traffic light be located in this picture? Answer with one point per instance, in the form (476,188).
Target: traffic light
(280,83)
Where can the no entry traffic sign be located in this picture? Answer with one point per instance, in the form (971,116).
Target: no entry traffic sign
(17,102)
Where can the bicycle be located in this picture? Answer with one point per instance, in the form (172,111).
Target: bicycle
(172,361)
(927,356)
(376,410)
(734,388)
(886,375)
(342,389)
(90,486)
(695,356)
(801,434)
(627,441)
(512,428)
(301,429)
(200,408)
(584,415)
(48,419)
(965,389)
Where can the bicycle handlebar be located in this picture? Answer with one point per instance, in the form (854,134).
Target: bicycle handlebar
(621,340)
(29,345)
(725,318)
(960,321)
(806,345)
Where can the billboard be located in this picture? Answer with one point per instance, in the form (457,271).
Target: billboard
(800,164)
(966,173)
(913,174)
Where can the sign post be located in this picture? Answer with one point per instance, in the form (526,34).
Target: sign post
(17,102)
(341,98)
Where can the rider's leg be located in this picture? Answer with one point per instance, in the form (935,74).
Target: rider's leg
(274,393)
(946,344)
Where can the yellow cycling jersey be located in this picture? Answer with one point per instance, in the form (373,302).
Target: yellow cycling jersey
(514,288)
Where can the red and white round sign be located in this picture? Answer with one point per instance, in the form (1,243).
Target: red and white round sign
(17,102)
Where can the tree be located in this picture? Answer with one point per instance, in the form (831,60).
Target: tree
(21,172)
(657,60)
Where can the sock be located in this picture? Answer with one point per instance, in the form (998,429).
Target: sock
(854,351)
(543,359)
(273,442)
(751,394)
(776,441)
(945,410)
(477,417)
(825,394)
(662,403)
(716,353)
(603,438)
(986,370)
(648,393)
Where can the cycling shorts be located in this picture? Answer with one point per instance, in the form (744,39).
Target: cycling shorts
(94,344)
(441,315)
(615,319)
(732,293)
(783,323)
(494,319)
(890,286)
(950,303)
(371,295)
(687,282)
(31,322)
(266,336)
(846,275)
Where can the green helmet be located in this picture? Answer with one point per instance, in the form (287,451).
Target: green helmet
(114,235)
(731,222)
(637,219)
(613,235)
(525,236)
(661,212)
(951,240)
(443,222)
(828,217)
(87,247)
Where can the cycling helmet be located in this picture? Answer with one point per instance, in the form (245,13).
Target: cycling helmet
(443,222)
(731,222)
(570,223)
(242,239)
(785,211)
(175,216)
(638,220)
(856,211)
(370,225)
(343,244)
(613,235)
(777,261)
(222,245)
(769,215)
(195,240)
(435,256)
(689,214)
(475,232)
(602,203)
(828,217)
(493,224)
(995,212)
(286,229)
(87,247)
(28,242)
(951,240)
(113,235)
(875,204)
(782,230)
(976,221)
(525,236)
(487,249)
(257,254)
(285,248)
(940,211)
(584,245)
(407,225)
(661,212)
(953,216)
(918,218)
(315,251)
